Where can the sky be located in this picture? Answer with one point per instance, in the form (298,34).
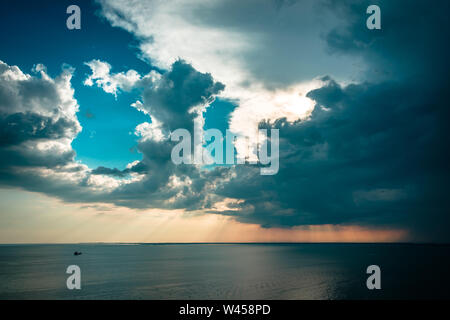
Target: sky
(86,117)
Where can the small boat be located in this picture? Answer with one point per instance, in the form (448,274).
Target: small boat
(76,253)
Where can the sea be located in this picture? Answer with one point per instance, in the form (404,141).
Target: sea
(225,271)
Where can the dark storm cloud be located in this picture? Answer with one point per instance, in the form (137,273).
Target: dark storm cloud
(366,143)
(180,89)
(19,127)
(411,42)
(110,172)
(139,167)
(373,153)
(20,94)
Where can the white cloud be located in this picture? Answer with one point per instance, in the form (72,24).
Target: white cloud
(43,96)
(290,103)
(140,107)
(102,77)
(113,82)
(151,131)
(45,105)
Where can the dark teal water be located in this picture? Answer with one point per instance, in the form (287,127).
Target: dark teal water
(225,271)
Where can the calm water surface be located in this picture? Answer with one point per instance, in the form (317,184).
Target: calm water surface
(224,271)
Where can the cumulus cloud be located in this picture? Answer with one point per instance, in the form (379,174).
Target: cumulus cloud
(113,82)
(38,118)
(172,100)
(38,124)
(152,131)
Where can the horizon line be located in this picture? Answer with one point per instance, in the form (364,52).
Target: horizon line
(214,243)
